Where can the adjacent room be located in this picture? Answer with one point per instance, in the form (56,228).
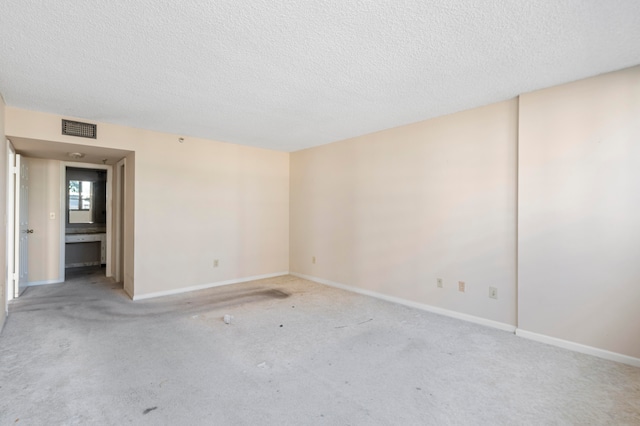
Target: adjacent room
(320,213)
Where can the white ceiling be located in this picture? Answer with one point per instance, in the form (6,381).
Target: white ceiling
(287,75)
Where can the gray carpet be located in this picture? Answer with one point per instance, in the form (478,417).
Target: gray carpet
(295,353)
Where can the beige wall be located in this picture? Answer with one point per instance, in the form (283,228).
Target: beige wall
(194,202)
(393,211)
(579,210)
(44,198)
(3,203)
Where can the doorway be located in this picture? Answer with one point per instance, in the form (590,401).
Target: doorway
(85,218)
(49,160)
(17,223)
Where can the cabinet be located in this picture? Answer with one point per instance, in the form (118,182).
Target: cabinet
(84,250)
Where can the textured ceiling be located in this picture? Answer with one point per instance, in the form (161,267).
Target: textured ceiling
(289,75)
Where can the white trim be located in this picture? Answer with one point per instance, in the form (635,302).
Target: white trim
(422,306)
(62,216)
(578,347)
(47,282)
(205,286)
(21,219)
(10,226)
(118,211)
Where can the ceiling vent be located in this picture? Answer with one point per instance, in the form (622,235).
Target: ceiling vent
(75,128)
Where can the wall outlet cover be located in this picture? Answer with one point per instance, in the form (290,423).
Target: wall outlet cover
(493,292)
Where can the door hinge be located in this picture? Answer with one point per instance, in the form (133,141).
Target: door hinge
(13,169)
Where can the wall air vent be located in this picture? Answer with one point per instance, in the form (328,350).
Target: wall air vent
(75,128)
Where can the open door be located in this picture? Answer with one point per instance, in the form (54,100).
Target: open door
(21,261)
(11,222)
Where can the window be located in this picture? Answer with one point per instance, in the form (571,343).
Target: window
(79,195)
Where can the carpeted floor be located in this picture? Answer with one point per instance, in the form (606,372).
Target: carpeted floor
(295,353)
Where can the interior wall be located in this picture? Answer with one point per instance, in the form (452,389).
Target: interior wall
(3,202)
(579,204)
(44,200)
(194,202)
(393,211)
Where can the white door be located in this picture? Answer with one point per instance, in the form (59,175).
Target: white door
(22,226)
(11,222)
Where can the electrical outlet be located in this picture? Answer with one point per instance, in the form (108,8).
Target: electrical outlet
(313,260)
(215,263)
(493,292)
(461,286)
(439,281)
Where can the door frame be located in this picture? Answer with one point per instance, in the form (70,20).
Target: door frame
(10,224)
(63,211)
(120,191)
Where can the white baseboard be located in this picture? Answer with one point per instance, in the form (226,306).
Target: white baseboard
(34,283)
(578,347)
(429,308)
(205,286)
